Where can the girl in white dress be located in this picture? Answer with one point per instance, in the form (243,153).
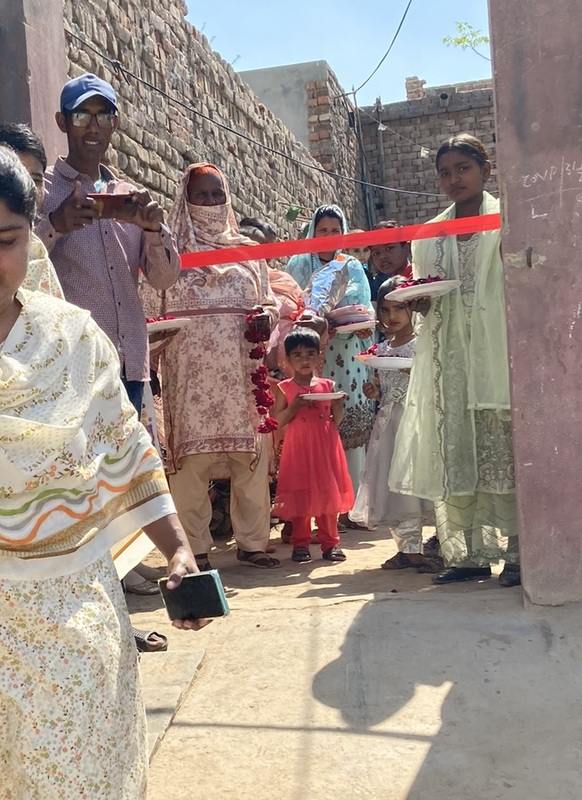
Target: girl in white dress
(375,505)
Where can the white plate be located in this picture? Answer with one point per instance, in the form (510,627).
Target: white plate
(386,362)
(323,396)
(368,325)
(436,289)
(358,312)
(168,324)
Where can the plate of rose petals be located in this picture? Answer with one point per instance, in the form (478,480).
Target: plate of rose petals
(366,325)
(423,287)
(384,362)
(351,318)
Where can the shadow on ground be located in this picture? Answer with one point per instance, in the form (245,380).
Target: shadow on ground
(510,683)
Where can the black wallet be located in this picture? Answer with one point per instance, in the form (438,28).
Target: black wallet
(199,596)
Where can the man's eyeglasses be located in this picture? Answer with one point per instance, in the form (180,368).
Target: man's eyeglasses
(82,119)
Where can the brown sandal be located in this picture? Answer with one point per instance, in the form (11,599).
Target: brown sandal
(150,641)
(257,559)
(399,561)
(344,523)
(430,565)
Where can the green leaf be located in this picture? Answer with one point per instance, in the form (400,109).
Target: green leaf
(292,213)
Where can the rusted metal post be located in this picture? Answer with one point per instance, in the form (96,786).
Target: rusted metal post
(537,66)
(33,66)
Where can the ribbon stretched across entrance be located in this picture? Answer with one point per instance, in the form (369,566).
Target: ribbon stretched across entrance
(428,230)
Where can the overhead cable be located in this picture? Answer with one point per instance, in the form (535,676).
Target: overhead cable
(125,73)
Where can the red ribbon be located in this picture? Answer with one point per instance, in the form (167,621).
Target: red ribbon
(327,244)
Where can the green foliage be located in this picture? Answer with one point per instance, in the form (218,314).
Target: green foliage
(292,213)
(468,38)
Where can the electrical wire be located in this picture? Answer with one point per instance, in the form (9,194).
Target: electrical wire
(387,53)
(122,71)
(378,121)
(382,60)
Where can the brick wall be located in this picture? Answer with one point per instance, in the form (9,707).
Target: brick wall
(402,155)
(157,139)
(332,137)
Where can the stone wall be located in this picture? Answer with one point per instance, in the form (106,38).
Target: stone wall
(157,138)
(401,155)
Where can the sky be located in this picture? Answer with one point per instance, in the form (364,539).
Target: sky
(351,35)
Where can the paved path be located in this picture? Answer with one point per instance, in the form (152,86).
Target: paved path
(345,682)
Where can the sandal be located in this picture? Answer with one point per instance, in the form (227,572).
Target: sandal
(347,524)
(430,564)
(150,641)
(203,562)
(257,559)
(301,555)
(399,561)
(334,554)
(432,547)
(135,584)
(287,532)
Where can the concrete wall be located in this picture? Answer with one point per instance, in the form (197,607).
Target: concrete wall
(402,155)
(32,65)
(311,102)
(538,63)
(283,91)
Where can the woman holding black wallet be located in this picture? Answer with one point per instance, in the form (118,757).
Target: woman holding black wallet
(78,473)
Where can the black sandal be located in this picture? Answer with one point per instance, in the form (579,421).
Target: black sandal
(511,576)
(301,555)
(461,574)
(202,562)
(334,554)
(257,559)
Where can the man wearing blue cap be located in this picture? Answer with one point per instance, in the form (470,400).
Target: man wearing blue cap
(97,252)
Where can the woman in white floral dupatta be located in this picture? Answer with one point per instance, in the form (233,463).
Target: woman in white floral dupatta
(454,444)
(78,473)
(210,414)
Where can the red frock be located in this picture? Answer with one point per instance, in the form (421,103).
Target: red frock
(313,475)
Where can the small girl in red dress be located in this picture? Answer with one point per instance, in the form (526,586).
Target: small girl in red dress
(314,480)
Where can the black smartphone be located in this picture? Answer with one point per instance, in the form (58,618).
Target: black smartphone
(199,596)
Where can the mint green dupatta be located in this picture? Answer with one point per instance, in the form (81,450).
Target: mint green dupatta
(461,367)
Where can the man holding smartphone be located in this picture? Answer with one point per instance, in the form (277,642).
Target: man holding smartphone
(98,253)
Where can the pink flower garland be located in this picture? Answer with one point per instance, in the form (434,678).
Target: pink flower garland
(263,398)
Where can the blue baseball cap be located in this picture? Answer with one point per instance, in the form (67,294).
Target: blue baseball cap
(82,88)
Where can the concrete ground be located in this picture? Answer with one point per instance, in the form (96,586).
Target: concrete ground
(339,682)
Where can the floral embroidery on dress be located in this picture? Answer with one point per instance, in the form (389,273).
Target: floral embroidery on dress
(456,425)
(394,383)
(72,723)
(467,273)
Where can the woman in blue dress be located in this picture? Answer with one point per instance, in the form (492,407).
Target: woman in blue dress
(340,358)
